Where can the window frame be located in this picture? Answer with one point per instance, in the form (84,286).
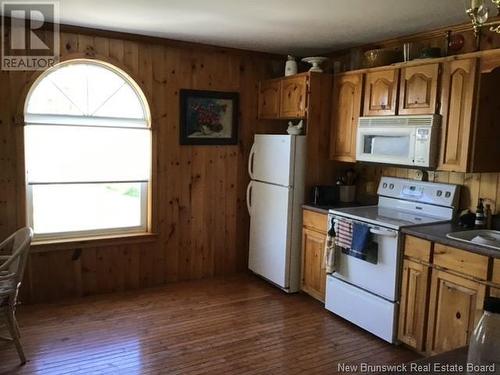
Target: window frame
(146,189)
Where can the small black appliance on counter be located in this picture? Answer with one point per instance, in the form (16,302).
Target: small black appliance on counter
(325,195)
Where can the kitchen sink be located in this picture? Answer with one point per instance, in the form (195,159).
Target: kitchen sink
(483,237)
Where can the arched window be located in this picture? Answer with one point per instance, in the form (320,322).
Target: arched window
(87,152)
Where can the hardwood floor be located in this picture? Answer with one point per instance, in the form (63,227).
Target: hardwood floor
(237,325)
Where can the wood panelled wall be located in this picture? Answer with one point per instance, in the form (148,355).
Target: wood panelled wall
(199,209)
(474,185)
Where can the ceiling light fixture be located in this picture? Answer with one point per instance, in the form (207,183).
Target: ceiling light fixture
(479,13)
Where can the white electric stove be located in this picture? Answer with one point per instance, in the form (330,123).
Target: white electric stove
(367,292)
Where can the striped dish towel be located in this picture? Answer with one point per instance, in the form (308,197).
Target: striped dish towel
(330,253)
(343,230)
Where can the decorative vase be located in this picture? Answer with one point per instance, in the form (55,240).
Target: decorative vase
(290,66)
(315,61)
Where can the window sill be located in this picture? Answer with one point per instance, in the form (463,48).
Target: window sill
(41,246)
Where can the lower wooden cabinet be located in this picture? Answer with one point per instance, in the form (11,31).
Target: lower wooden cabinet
(313,273)
(442,295)
(412,313)
(313,270)
(455,305)
(495,292)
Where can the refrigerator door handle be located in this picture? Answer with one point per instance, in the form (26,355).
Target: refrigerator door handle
(250,161)
(249,198)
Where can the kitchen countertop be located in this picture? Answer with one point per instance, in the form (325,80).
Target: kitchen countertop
(324,209)
(437,233)
(431,232)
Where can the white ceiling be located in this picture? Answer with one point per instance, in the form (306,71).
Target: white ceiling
(301,27)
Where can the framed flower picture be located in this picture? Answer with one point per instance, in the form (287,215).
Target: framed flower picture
(208,117)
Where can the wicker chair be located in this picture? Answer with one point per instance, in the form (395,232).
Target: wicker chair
(11,275)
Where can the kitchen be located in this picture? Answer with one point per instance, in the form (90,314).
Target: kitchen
(331,223)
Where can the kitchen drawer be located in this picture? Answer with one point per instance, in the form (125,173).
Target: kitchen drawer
(418,248)
(366,310)
(462,261)
(315,220)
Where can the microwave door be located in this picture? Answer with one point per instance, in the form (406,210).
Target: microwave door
(385,145)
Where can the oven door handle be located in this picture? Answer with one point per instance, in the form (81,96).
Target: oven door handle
(381,232)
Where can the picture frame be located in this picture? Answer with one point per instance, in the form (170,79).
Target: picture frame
(208,117)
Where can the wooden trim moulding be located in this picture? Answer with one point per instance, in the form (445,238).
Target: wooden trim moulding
(416,37)
(143,38)
(484,69)
(43,246)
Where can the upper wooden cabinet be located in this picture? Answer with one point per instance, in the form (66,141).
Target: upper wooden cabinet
(284,98)
(293,97)
(470,131)
(381,90)
(419,89)
(269,99)
(457,96)
(346,108)
(484,150)
(462,89)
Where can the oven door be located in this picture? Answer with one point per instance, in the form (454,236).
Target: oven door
(380,278)
(386,145)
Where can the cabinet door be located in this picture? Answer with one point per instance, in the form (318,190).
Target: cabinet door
(495,292)
(293,97)
(269,99)
(455,305)
(418,93)
(313,280)
(457,107)
(346,108)
(413,305)
(381,89)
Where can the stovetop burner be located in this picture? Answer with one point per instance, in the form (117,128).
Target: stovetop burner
(404,203)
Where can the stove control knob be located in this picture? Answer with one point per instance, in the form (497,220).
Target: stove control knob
(384,185)
(391,186)
(447,194)
(439,193)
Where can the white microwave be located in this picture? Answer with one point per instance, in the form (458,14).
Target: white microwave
(400,140)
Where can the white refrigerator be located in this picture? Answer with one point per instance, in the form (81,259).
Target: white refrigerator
(274,198)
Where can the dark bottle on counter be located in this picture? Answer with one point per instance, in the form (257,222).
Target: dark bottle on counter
(480,216)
